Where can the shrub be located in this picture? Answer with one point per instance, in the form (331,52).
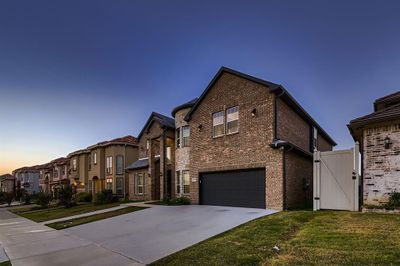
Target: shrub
(25,197)
(43,199)
(9,197)
(64,195)
(394,200)
(2,197)
(182,201)
(83,197)
(105,196)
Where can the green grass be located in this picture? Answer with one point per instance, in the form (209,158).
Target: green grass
(92,218)
(5,263)
(305,238)
(56,213)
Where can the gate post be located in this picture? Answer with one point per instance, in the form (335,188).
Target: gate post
(356,178)
(316,180)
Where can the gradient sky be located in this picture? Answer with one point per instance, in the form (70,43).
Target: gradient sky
(73,73)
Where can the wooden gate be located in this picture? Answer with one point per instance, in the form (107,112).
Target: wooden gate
(336,180)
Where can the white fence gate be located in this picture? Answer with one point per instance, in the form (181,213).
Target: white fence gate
(336,180)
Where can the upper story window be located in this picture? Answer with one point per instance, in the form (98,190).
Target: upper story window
(169,155)
(55,174)
(218,124)
(185,136)
(232,120)
(90,163)
(63,170)
(178,137)
(119,161)
(314,138)
(74,164)
(95,158)
(109,165)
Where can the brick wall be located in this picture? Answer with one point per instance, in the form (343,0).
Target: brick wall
(323,144)
(247,149)
(299,173)
(381,166)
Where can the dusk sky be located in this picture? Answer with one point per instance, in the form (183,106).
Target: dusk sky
(73,73)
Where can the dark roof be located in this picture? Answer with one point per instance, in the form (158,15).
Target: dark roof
(78,152)
(387,101)
(7,176)
(127,140)
(388,114)
(188,104)
(60,161)
(288,146)
(141,163)
(273,87)
(164,121)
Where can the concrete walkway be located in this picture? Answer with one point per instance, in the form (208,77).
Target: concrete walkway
(28,243)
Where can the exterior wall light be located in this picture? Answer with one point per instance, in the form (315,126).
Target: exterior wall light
(387,142)
(254,112)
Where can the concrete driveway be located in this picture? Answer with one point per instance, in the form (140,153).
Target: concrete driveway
(148,235)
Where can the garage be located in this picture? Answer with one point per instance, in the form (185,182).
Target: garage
(239,188)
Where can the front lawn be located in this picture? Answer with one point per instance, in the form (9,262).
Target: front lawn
(304,238)
(92,218)
(56,213)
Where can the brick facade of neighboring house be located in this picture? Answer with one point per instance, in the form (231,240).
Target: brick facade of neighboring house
(151,177)
(379,137)
(274,134)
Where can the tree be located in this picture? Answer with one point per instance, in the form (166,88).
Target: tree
(25,197)
(64,195)
(18,191)
(9,197)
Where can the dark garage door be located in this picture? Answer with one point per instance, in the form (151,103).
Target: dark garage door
(241,188)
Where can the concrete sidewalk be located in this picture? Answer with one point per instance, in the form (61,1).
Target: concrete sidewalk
(28,243)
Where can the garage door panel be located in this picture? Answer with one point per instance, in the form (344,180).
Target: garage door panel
(241,188)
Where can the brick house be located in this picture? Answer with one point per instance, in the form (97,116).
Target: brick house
(151,177)
(379,136)
(251,144)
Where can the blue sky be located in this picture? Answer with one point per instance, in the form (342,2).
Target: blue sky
(73,73)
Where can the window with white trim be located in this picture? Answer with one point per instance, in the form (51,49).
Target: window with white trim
(185,136)
(314,140)
(178,137)
(95,158)
(109,165)
(218,124)
(182,182)
(178,182)
(119,185)
(74,164)
(139,183)
(109,183)
(232,120)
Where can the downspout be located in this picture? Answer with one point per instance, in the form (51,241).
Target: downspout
(164,164)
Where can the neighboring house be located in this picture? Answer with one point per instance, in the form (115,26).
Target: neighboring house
(251,145)
(28,178)
(379,136)
(45,176)
(80,164)
(108,160)
(59,176)
(7,183)
(151,177)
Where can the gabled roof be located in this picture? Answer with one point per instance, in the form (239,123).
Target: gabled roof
(6,176)
(127,140)
(164,121)
(387,101)
(388,114)
(273,88)
(139,164)
(188,104)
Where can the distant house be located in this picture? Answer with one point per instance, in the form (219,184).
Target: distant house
(7,183)
(379,136)
(28,178)
(78,174)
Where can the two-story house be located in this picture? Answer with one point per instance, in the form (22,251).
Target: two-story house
(28,178)
(7,183)
(80,165)
(108,160)
(251,145)
(151,177)
(59,173)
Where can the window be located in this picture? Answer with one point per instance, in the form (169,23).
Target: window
(139,181)
(178,137)
(186,181)
(109,183)
(147,147)
(218,124)
(90,186)
(178,182)
(90,163)
(95,158)
(120,185)
(182,182)
(314,139)
(55,175)
(63,170)
(74,164)
(232,120)
(119,161)
(109,165)
(169,155)
(185,136)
